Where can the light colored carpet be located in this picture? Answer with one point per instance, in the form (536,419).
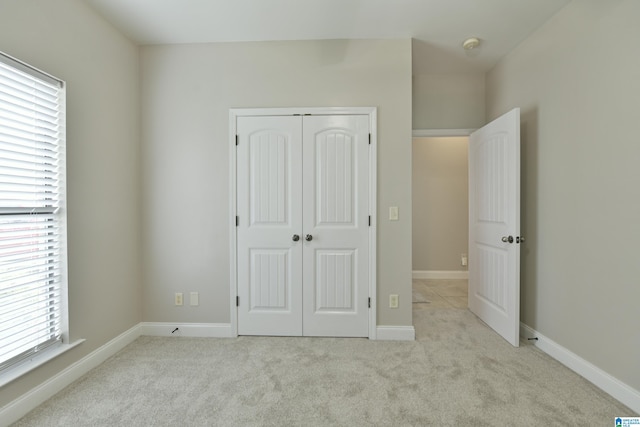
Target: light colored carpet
(458,372)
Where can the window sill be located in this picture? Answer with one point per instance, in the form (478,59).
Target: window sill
(36,361)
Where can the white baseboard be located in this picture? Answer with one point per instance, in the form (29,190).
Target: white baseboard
(395,333)
(616,388)
(21,406)
(440,274)
(203,330)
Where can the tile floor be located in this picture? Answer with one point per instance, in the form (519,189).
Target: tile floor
(439,293)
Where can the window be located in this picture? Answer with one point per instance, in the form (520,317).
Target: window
(32,219)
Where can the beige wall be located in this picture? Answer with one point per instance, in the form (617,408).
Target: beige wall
(100,66)
(440,203)
(577,82)
(448,101)
(187,91)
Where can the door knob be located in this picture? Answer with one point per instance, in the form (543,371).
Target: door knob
(520,239)
(507,239)
(295,238)
(308,237)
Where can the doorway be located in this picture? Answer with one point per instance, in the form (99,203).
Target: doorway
(440,221)
(494,224)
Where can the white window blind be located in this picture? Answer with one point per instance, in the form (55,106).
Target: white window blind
(32,110)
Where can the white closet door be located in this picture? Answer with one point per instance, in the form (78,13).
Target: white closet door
(335,222)
(269,194)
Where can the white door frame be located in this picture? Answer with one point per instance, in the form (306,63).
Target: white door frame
(437,133)
(440,133)
(234,113)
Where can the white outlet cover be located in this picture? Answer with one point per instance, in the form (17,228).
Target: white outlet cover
(195,299)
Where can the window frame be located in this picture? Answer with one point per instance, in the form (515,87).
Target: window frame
(36,356)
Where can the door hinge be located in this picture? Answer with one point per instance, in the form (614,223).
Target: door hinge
(369,139)
(236,140)
(369,220)
(369,302)
(237,301)
(237,220)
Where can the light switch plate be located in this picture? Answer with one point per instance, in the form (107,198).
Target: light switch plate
(195,299)
(393,301)
(393,213)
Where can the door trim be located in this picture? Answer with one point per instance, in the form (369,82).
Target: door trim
(234,113)
(427,133)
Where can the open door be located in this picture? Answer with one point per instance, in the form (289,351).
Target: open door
(494,225)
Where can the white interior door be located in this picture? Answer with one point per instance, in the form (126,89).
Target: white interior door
(335,222)
(494,225)
(269,191)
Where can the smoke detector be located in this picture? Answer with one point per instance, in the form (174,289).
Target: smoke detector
(471,43)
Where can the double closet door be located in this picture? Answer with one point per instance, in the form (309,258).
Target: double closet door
(302,230)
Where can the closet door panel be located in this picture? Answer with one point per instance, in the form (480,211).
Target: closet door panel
(335,215)
(270,213)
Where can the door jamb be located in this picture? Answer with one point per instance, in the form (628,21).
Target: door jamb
(234,113)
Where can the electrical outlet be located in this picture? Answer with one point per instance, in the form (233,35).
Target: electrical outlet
(463,260)
(178,298)
(195,299)
(393,301)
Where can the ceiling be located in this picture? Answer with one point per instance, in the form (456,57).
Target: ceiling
(438,27)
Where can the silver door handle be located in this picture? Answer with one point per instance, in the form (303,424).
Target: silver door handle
(295,238)
(507,239)
(308,237)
